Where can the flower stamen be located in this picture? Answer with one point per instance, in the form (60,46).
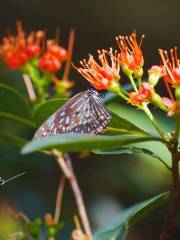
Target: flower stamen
(101,74)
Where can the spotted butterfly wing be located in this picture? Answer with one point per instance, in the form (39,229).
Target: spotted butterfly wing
(84,113)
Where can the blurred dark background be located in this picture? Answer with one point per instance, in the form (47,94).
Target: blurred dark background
(109,184)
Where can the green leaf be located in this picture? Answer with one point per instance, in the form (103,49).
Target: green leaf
(131,150)
(77,142)
(138,118)
(118,228)
(14,106)
(46,109)
(9,138)
(120,125)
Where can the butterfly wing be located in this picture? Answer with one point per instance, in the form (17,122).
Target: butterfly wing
(104,116)
(56,123)
(84,113)
(92,117)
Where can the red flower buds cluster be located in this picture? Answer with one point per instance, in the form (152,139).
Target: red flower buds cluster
(18,50)
(51,60)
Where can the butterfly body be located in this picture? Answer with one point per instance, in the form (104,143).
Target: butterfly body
(83,113)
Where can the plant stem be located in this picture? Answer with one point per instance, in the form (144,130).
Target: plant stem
(177,128)
(132,82)
(79,199)
(59,199)
(29,87)
(65,163)
(123,96)
(152,119)
(169,223)
(139,81)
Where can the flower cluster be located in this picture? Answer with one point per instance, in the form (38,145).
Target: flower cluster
(51,60)
(105,74)
(18,50)
(38,58)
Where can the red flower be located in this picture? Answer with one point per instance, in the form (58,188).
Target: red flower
(143,95)
(49,63)
(51,60)
(59,52)
(101,75)
(17,50)
(130,51)
(172,66)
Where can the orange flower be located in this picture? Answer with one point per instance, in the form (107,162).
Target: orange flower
(17,50)
(143,95)
(130,51)
(172,66)
(102,74)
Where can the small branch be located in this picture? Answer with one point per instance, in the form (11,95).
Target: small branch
(169,223)
(64,162)
(176,135)
(69,57)
(29,87)
(67,172)
(59,199)
(79,199)
(175,173)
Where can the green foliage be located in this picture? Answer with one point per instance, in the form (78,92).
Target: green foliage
(131,150)
(9,138)
(77,142)
(120,125)
(138,118)
(14,106)
(118,228)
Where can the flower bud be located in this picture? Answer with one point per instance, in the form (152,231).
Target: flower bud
(155,73)
(114,87)
(138,73)
(126,70)
(157,101)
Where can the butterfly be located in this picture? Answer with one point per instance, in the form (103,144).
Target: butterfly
(83,113)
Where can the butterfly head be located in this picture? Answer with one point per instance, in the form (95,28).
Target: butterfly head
(91,92)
